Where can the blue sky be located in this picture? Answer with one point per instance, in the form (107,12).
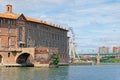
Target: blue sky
(95,22)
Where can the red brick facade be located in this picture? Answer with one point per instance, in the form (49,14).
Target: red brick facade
(19,33)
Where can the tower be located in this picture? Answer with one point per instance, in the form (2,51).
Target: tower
(8,8)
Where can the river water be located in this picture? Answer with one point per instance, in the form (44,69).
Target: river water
(62,73)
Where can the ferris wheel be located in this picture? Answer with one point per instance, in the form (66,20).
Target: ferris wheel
(72,44)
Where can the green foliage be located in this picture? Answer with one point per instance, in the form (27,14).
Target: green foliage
(109,59)
(55,59)
(116,60)
(94,59)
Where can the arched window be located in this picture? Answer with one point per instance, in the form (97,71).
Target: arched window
(8,8)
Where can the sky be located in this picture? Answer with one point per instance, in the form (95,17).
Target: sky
(95,23)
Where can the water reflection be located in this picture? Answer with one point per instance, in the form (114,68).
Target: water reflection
(62,73)
(8,73)
(58,74)
(22,73)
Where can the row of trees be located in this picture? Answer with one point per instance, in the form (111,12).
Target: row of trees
(110,59)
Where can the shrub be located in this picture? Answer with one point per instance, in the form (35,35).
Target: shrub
(55,59)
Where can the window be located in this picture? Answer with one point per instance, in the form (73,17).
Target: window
(8,8)
(0,29)
(1,21)
(21,45)
(20,34)
(9,54)
(9,31)
(9,43)
(0,42)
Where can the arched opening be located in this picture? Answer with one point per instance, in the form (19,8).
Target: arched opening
(25,59)
(0,59)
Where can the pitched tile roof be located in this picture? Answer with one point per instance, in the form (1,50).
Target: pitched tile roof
(15,16)
(9,15)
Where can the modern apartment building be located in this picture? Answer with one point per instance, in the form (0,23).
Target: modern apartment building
(103,50)
(116,50)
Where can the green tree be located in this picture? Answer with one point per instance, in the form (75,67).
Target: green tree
(55,59)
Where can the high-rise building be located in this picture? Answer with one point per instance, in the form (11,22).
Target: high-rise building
(116,50)
(103,50)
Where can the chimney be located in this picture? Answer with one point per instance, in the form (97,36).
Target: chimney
(8,8)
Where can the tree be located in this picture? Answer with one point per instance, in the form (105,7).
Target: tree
(55,59)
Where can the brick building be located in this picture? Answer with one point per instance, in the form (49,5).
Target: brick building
(103,50)
(116,50)
(27,40)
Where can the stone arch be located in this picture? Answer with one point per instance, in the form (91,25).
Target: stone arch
(24,58)
(0,59)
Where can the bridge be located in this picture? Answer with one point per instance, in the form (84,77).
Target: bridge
(98,56)
(17,56)
(101,55)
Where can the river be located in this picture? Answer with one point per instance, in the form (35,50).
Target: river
(62,73)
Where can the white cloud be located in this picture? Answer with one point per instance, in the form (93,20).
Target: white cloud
(92,20)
